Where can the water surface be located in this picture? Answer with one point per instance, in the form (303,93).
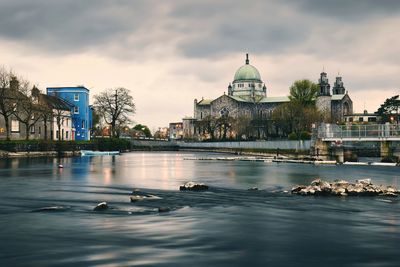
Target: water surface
(226,226)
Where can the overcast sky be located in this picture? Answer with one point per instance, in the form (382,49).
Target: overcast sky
(170,52)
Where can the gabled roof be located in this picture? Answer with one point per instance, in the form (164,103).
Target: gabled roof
(56,102)
(204,102)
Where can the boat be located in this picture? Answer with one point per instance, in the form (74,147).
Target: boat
(98,153)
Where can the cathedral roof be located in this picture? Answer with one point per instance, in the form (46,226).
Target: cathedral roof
(247,72)
(205,102)
(275,99)
(337,97)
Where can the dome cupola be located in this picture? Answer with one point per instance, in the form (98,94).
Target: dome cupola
(247,83)
(247,72)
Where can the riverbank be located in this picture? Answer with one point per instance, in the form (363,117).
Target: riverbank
(30,154)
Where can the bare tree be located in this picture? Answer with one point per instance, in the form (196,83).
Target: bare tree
(8,92)
(115,106)
(28,109)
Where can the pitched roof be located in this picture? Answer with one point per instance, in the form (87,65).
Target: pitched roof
(337,97)
(275,99)
(205,102)
(56,102)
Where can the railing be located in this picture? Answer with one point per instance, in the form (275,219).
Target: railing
(355,131)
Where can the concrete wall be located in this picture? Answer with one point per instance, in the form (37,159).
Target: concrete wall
(296,145)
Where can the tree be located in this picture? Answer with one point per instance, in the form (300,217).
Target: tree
(390,109)
(115,106)
(8,93)
(303,92)
(28,109)
(143,128)
(208,125)
(224,125)
(242,127)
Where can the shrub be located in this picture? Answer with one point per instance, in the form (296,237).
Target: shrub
(293,136)
(304,135)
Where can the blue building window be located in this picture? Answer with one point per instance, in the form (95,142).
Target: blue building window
(76,110)
(76,97)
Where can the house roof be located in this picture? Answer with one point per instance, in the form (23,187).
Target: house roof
(56,102)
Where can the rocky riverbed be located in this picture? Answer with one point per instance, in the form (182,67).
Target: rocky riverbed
(362,187)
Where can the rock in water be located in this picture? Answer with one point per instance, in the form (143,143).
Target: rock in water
(164,209)
(253,189)
(101,206)
(192,186)
(362,187)
(51,209)
(136,198)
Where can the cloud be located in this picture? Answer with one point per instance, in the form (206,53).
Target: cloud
(181,50)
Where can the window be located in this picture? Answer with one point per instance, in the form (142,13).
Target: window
(66,135)
(67,122)
(350,119)
(76,97)
(32,129)
(76,110)
(371,119)
(40,130)
(361,119)
(14,126)
(83,124)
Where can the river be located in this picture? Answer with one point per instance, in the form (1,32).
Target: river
(225,226)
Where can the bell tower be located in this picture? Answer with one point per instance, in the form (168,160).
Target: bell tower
(324,86)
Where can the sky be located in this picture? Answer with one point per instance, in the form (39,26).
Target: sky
(167,53)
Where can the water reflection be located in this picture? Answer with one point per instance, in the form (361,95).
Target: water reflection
(226,226)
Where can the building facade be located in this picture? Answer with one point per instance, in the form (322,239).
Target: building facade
(81,111)
(248,98)
(48,116)
(176,130)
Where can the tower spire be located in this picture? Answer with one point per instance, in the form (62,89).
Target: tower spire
(247,58)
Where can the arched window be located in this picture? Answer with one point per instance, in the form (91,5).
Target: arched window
(224,112)
(346,108)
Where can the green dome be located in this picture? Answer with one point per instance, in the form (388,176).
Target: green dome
(247,72)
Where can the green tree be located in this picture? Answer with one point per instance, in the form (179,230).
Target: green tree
(143,128)
(390,109)
(303,92)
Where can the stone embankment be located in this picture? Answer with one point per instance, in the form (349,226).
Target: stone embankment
(363,187)
(28,154)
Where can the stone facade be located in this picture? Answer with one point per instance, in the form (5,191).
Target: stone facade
(247,98)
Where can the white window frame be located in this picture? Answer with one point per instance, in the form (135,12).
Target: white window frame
(76,110)
(14,126)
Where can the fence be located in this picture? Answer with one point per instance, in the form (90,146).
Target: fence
(374,131)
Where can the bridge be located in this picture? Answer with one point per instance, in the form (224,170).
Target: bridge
(359,133)
(331,137)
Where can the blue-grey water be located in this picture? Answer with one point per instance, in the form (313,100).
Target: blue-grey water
(225,226)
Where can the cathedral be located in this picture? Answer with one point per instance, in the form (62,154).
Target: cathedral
(248,97)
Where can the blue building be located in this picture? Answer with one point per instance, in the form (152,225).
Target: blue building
(78,97)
